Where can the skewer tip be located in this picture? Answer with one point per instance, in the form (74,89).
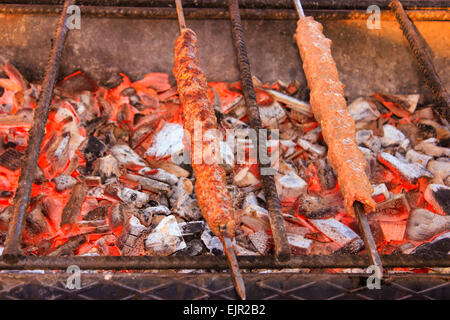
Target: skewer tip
(234,267)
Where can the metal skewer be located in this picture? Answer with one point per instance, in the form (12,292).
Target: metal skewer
(358,207)
(226,241)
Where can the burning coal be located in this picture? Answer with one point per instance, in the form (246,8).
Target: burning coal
(114,174)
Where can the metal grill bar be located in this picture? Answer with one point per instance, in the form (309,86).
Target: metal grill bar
(22,197)
(218,262)
(432,79)
(282,250)
(252,4)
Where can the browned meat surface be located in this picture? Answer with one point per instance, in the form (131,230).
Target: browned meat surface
(330,109)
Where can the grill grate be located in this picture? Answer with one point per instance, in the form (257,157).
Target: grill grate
(269,286)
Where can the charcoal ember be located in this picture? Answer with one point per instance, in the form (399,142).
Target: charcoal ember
(313,207)
(244,178)
(327,177)
(167,142)
(250,200)
(191,229)
(261,241)
(193,248)
(393,137)
(313,149)
(431,148)
(107,168)
(289,187)
(436,130)
(133,229)
(440,169)
(187,208)
(409,171)
(404,248)
(117,216)
(440,246)
(423,225)
(381,189)
(133,97)
(64,182)
(149,184)
(363,110)
(170,167)
(321,248)
(212,242)
(69,247)
(243,251)
(126,156)
(256,211)
(341,234)
(72,210)
(312,136)
(136,198)
(291,225)
(92,181)
(166,238)
(417,157)
(97,213)
(254,223)
(393,209)
(182,188)
(438,196)
(159,175)
(6,194)
(94,149)
(35,221)
(367,139)
(298,244)
(11,159)
(272,115)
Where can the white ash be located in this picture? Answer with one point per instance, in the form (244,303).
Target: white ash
(366,138)
(290,186)
(338,232)
(160,175)
(298,244)
(417,157)
(64,182)
(430,148)
(314,149)
(130,196)
(393,137)
(245,178)
(272,115)
(423,224)
(212,242)
(166,238)
(410,171)
(381,189)
(439,168)
(126,156)
(361,110)
(168,142)
(438,196)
